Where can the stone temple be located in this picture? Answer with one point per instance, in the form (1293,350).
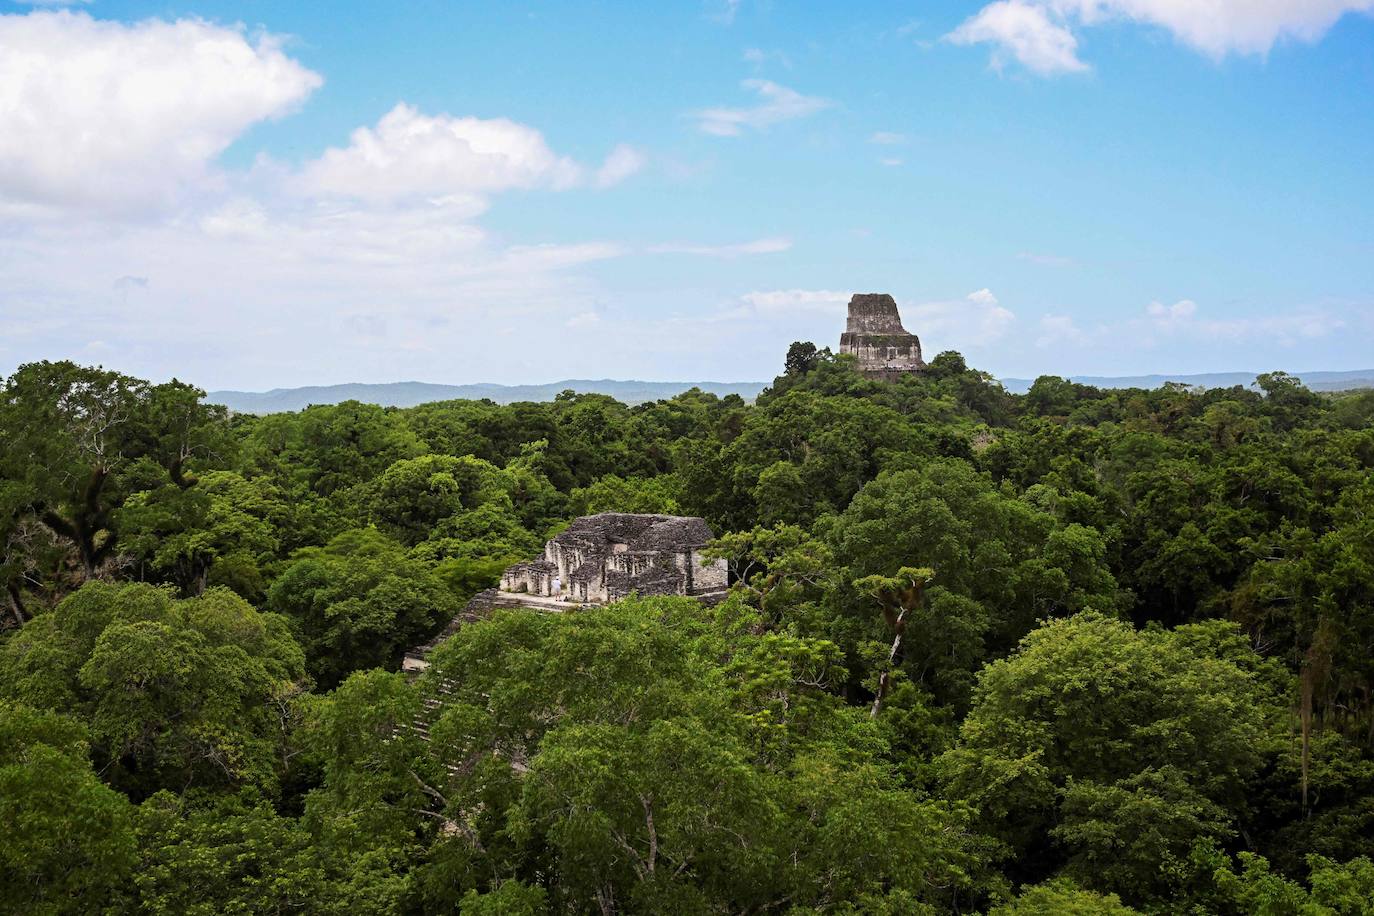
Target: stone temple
(606,557)
(597,560)
(875,335)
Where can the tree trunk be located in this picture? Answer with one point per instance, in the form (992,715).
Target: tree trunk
(899,627)
(16,601)
(1305,724)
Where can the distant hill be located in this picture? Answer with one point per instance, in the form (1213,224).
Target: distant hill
(408,394)
(1317,381)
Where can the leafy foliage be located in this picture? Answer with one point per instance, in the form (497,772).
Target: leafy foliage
(1076,651)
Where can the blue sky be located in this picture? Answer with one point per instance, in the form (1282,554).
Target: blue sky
(264,194)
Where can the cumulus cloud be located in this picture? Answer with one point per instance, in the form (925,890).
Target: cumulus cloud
(758,246)
(409,155)
(1220,27)
(776,105)
(1169,317)
(977,319)
(107,115)
(372,251)
(1024,30)
(1040,34)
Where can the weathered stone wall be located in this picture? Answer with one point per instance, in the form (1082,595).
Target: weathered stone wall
(708,575)
(873,313)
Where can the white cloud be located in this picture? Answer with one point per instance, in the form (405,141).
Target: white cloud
(1059,330)
(1039,34)
(1169,317)
(370,251)
(975,320)
(105,115)
(758,57)
(622,162)
(1046,260)
(776,104)
(723,11)
(583,320)
(758,246)
(413,156)
(791,301)
(890,161)
(377,294)
(1183,318)
(1024,30)
(1220,27)
(887,138)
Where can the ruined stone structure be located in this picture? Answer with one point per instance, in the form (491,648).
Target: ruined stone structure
(606,557)
(600,559)
(875,335)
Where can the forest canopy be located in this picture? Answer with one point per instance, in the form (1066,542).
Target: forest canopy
(1073,651)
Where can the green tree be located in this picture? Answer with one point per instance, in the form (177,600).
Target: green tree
(234,854)
(898,596)
(801,358)
(177,693)
(413,496)
(652,495)
(359,602)
(221,530)
(1122,746)
(1061,897)
(69,841)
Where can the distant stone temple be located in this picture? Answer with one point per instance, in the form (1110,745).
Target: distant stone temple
(597,560)
(875,335)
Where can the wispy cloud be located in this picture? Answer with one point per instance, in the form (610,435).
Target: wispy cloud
(776,104)
(758,57)
(583,320)
(1161,323)
(722,11)
(622,162)
(1046,260)
(791,301)
(1057,330)
(887,138)
(758,246)
(1184,318)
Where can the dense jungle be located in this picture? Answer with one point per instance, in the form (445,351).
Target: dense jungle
(1074,651)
